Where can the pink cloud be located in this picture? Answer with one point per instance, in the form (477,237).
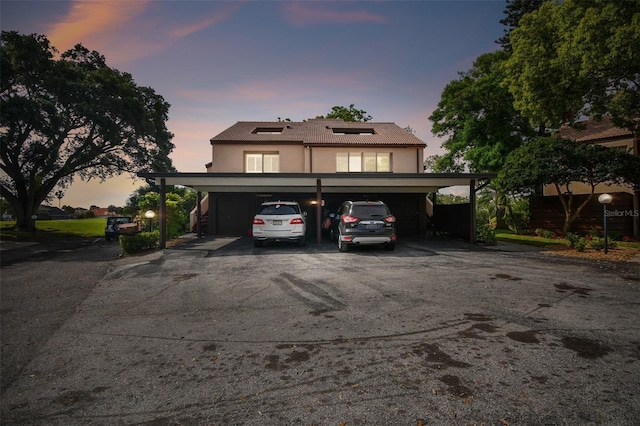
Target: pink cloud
(89,20)
(232,8)
(300,14)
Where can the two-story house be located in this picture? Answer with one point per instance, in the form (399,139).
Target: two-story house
(319,163)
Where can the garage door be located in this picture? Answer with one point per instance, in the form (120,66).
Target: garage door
(234,215)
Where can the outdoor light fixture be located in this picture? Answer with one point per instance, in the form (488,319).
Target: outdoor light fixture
(150,215)
(605,199)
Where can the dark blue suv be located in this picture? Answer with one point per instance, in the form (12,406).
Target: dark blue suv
(365,223)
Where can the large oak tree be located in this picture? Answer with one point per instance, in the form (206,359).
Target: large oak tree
(71,116)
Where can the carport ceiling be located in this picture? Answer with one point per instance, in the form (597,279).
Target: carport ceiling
(307,182)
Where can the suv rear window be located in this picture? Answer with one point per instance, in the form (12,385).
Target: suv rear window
(119,220)
(274,209)
(372,210)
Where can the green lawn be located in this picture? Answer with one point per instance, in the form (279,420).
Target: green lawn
(52,229)
(533,240)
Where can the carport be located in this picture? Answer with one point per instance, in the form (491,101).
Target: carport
(318,185)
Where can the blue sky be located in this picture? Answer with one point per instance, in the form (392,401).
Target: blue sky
(219,62)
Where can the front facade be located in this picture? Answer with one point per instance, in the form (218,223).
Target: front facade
(318,163)
(547,212)
(313,147)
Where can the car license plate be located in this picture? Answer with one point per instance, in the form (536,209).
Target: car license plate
(277,222)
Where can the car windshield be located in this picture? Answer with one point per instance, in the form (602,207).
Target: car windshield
(121,220)
(276,209)
(370,211)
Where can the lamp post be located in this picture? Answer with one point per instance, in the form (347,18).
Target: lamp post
(150,215)
(605,199)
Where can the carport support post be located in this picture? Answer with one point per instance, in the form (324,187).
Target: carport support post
(163,213)
(472,213)
(319,210)
(199,213)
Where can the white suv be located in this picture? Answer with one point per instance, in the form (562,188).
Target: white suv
(279,221)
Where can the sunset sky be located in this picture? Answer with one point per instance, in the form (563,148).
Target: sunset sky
(219,62)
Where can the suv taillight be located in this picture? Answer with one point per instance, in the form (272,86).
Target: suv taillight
(296,221)
(349,219)
(258,221)
(390,219)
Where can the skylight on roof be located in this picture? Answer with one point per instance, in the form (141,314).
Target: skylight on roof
(267,131)
(353,131)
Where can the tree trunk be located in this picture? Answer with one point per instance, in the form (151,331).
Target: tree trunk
(24,211)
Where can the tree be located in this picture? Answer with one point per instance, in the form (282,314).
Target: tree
(577,58)
(71,117)
(347,114)
(561,163)
(476,114)
(514,11)
(177,217)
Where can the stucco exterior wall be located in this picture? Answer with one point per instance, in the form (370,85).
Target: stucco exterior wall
(229,158)
(403,160)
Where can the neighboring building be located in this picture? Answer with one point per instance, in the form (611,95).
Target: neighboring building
(547,212)
(319,163)
(52,213)
(102,212)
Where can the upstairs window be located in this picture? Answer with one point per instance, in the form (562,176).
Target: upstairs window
(370,162)
(262,162)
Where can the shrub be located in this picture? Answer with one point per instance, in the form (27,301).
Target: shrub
(486,234)
(596,243)
(580,245)
(548,234)
(616,236)
(139,242)
(572,238)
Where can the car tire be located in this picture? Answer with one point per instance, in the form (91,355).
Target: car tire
(390,246)
(258,243)
(342,246)
(302,241)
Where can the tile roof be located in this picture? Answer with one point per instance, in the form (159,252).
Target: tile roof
(592,130)
(318,132)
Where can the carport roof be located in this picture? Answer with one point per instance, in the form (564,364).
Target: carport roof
(307,182)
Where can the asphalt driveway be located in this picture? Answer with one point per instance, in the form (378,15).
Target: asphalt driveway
(436,332)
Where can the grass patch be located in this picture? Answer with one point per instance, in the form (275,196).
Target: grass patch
(55,229)
(534,240)
(530,240)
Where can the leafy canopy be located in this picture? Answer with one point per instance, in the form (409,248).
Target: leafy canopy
(577,58)
(347,114)
(71,116)
(476,113)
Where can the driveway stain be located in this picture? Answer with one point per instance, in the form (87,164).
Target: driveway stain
(524,336)
(564,287)
(434,355)
(506,277)
(455,387)
(585,348)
